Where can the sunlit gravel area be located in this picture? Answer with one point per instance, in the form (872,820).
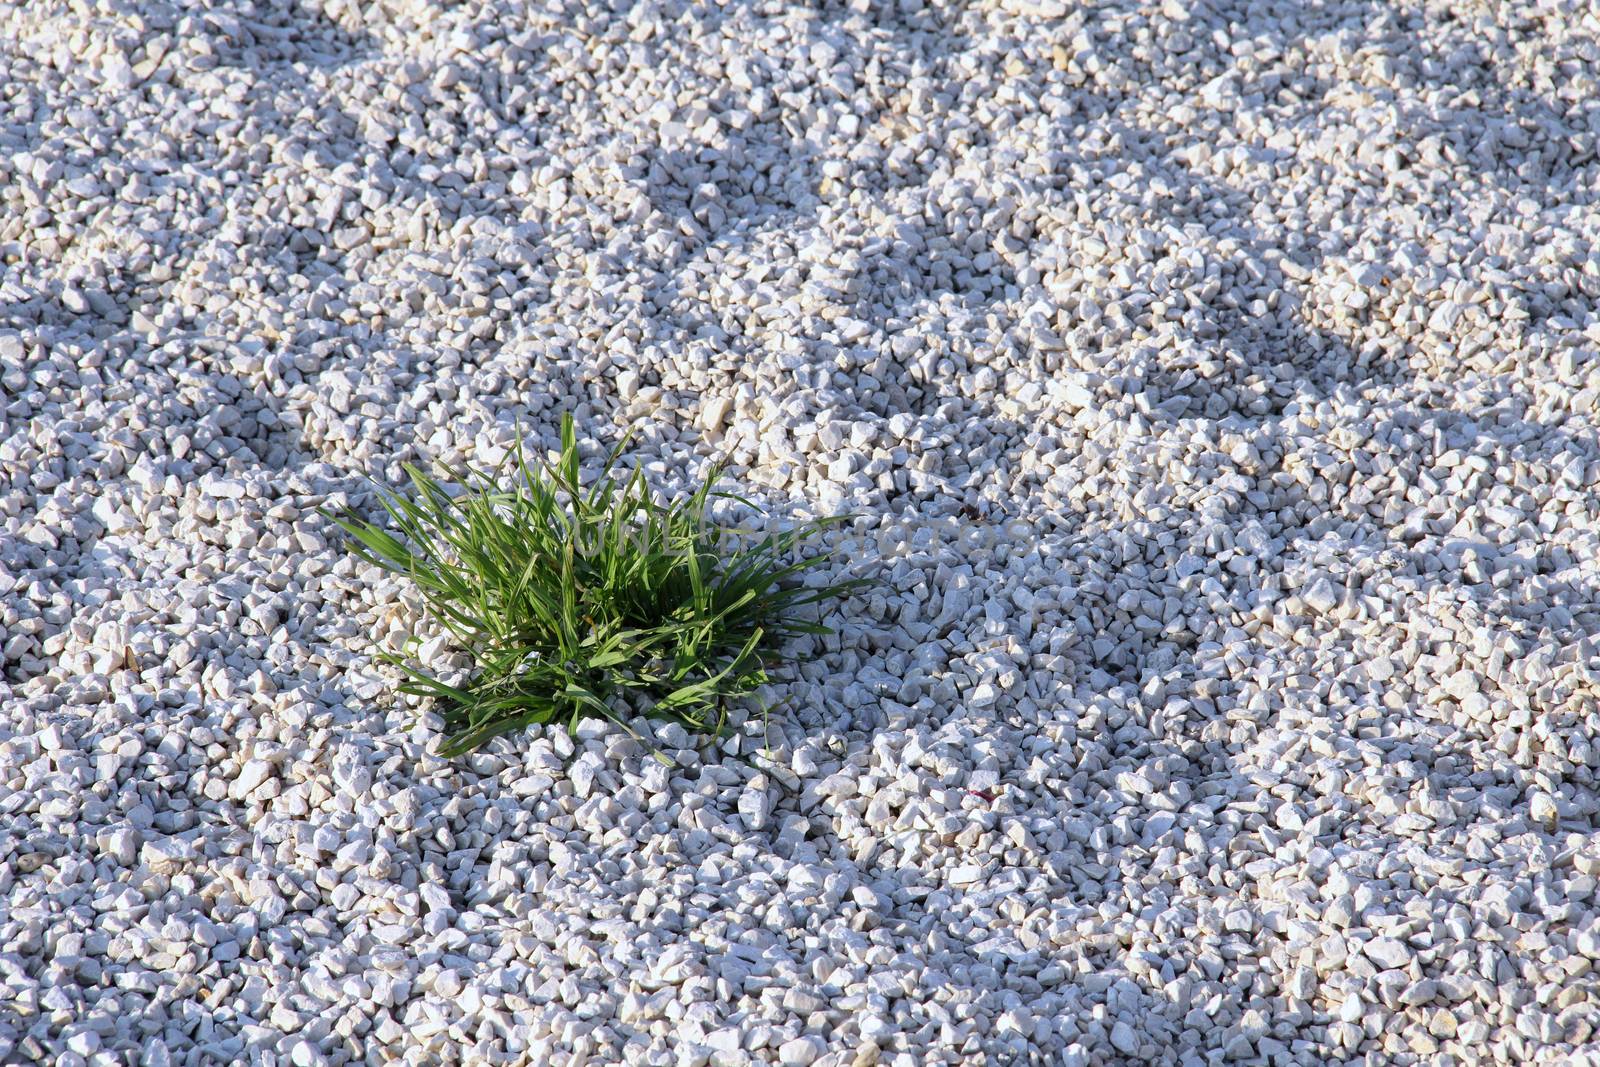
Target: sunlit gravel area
(1215,385)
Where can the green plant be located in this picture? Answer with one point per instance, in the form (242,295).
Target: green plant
(567,597)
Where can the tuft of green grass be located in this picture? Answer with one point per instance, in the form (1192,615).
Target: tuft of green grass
(569,596)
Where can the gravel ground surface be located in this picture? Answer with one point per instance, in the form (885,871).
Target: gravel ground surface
(1217,385)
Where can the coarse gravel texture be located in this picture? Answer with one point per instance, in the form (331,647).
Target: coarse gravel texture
(1217,386)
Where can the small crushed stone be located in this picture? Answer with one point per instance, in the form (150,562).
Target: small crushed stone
(1216,385)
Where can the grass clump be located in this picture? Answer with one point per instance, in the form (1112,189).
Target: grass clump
(568,596)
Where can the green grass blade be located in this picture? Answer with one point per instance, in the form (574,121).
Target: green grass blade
(566,597)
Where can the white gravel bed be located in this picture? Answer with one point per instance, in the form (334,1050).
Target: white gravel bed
(1216,385)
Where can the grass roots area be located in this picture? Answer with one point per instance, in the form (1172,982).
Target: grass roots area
(569,596)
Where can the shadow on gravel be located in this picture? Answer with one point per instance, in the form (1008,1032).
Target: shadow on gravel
(268,35)
(724,177)
(713,190)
